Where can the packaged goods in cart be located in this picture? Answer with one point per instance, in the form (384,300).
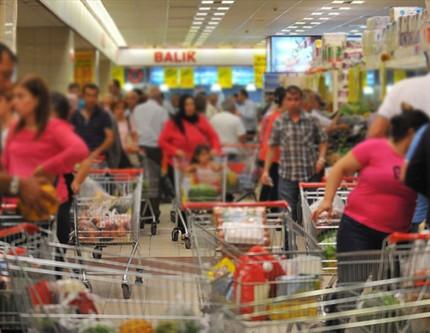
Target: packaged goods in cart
(32,216)
(244,225)
(336,213)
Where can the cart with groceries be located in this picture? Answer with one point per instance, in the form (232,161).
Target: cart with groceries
(196,183)
(107,213)
(43,295)
(242,171)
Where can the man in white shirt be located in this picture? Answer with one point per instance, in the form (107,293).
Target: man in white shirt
(150,118)
(229,126)
(412,92)
(211,106)
(247,110)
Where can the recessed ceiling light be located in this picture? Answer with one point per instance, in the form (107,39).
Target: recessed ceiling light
(344,8)
(326,8)
(202,14)
(308,18)
(316,13)
(219,14)
(204,8)
(334,14)
(223,8)
(357,2)
(227,1)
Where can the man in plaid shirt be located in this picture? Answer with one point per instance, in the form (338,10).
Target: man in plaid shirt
(303,145)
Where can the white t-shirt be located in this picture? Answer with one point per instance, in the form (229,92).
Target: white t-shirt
(229,128)
(248,111)
(414,92)
(150,118)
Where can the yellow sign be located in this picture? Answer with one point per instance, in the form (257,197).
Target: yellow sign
(118,73)
(84,67)
(225,77)
(399,75)
(259,70)
(187,77)
(354,87)
(171,77)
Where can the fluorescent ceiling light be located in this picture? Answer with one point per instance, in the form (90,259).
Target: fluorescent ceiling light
(326,8)
(207,2)
(285,30)
(99,11)
(197,23)
(216,18)
(223,8)
(213,23)
(205,8)
(299,30)
(301,23)
(227,1)
(293,34)
(344,8)
(199,18)
(316,13)
(363,26)
(357,2)
(315,23)
(324,18)
(201,14)
(307,27)
(280,33)
(337,2)
(334,14)
(292,27)
(308,18)
(219,14)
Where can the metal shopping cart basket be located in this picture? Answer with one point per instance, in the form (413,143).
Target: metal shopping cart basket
(196,184)
(242,171)
(325,229)
(107,213)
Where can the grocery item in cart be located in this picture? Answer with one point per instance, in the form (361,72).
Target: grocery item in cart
(336,213)
(202,192)
(242,225)
(136,326)
(32,216)
(97,327)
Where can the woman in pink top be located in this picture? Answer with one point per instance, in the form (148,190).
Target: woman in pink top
(380,204)
(38,145)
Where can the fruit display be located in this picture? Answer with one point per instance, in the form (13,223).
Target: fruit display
(202,192)
(136,326)
(51,208)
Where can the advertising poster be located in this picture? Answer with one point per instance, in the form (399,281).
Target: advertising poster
(187,77)
(225,77)
(84,67)
(171,77)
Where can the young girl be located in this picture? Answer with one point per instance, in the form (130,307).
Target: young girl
(204,168)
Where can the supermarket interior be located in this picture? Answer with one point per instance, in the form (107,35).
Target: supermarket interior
(214,166)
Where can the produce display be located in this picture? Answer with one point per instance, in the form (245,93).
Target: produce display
(242,225)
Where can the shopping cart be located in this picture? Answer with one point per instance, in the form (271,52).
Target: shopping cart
(107,213)
(196,184)
(325,228)
(150,193)
(242,171)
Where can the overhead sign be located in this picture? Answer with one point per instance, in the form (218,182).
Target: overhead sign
(187,77)
(188,57)
(225,77)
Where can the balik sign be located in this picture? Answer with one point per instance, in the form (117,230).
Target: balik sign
(175,57)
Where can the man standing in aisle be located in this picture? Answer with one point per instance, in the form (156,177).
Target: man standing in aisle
(150,118)
(29,189)
(132,100)
(211,106)
(93,124)
(248,111)
(303,147)
(410,92)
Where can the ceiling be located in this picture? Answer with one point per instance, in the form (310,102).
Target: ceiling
(168,23)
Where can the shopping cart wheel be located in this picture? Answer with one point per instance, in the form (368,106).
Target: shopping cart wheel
(173,216)
(175,234)
(97,254)
(153,229)
(88,285)
(126,290)
(187,243)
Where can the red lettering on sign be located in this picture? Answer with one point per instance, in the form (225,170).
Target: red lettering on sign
(158,56)
(191,56)
(175,57)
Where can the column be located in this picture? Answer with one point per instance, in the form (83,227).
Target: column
(47,52)
(8,19)
(104,74)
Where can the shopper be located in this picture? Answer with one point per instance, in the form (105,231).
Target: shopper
(229,127)
(303,147)
(269,104)
(74,89)
(7,117)
(115,90)
(211,106)
(132,99)
(38,145)
(270,192)
(28,189)
(93,124)
(150,118)
(380,204)
(128,136)
(409,93)
(186,131)
(247,109)
(201,103)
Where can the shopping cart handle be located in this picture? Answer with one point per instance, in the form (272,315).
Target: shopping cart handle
(129,172)
(399,237)
(211,205)
(323,185)
(19,229)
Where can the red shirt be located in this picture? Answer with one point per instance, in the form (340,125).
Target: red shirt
(265,136)
(380,200)
(200,133)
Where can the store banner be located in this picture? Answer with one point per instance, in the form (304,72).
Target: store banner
(186,77)
(225,77)
(118,73)
(354,87)
(259,70)
(171,77)
(399,75)
(135,75)
(84,67)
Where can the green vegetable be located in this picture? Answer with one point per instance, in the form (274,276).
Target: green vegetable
(99,328)
(174,326)
(167,327)
(202,192)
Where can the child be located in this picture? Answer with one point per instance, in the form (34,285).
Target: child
(205,170)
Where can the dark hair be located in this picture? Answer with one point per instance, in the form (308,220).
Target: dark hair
(4,49)
(91,86)
(201,102)
(37,87)
(294,90)
(118,103)
(60,105)
(181,115)
(407,120)
(279,93)
(116,83)
(73,85)
(243,92)
(198,151)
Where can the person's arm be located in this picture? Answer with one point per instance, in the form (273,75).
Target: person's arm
(322,140)
(379,127)
(106,144)
(344,167)
(240,131)
(81,174)
(165,141)
(275,141)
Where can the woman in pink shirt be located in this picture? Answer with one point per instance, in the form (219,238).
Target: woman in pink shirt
(37,144)
(380,204)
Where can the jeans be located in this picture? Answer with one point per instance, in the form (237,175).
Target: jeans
(270,193)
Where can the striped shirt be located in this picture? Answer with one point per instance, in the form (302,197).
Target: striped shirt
(298,142)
